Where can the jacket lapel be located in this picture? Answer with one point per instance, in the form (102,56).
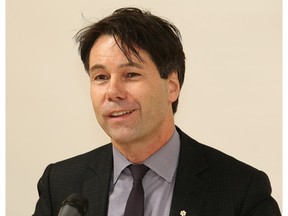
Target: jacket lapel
(96,188)
(189,191)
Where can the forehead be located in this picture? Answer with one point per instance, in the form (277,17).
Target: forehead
(106,47)
(104,43)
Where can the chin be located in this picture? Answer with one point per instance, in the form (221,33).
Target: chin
(123,136)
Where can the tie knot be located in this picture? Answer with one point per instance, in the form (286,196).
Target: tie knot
(138,171)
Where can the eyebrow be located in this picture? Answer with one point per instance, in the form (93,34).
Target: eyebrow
(129,64)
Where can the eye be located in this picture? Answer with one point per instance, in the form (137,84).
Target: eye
(132,74)
(101,77)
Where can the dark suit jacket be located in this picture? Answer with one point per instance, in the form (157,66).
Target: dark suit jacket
(208,182)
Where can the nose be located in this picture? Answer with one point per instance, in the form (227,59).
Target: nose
(116,90)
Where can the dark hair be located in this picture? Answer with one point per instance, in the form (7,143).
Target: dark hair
(135,28)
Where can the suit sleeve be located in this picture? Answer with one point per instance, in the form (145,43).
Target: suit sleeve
(258,200)
(43,205)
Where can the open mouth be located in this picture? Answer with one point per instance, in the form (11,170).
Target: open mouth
(121,113)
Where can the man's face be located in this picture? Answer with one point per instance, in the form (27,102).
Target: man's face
(131,101)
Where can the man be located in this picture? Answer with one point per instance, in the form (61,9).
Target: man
(136,65)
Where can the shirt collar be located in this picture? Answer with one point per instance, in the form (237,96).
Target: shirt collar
(164,162)
(120,163)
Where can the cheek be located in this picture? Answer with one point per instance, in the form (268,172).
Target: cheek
(97,108)
(95,99)
(156,98)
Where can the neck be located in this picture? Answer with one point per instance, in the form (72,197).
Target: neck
(138,152)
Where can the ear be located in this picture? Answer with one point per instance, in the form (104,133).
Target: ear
(174,86)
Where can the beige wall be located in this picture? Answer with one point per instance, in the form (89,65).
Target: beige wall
(231,99)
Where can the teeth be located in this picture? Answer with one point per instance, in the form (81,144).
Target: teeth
(115,114)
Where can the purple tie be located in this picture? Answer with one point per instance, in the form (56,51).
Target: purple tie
(135,202)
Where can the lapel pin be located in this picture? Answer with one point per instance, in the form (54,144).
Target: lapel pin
(183,213)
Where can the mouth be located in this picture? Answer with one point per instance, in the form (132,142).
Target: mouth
(120,113)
